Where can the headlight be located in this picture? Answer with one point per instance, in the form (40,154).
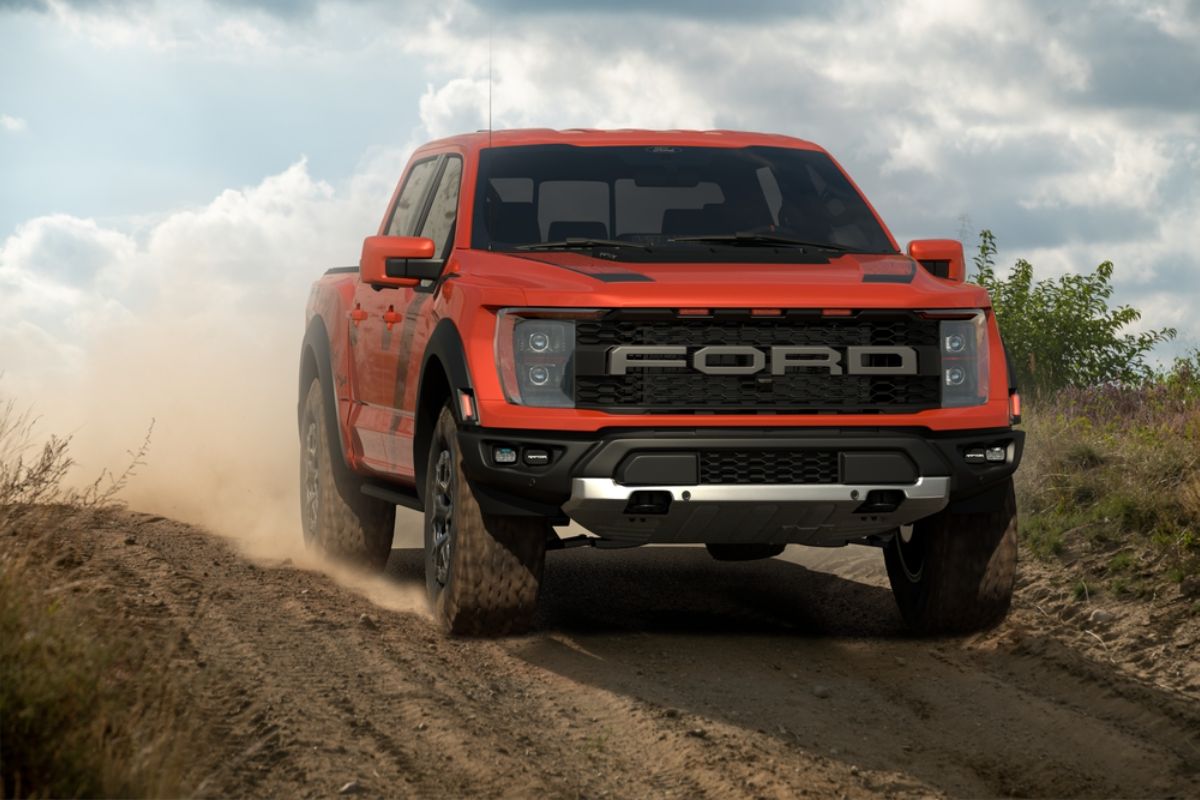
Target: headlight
(964,350)
(535,353)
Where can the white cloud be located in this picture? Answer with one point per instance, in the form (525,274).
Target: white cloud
(1117,168)
(1176,18)
(195,322)
(13,124)
(244,32)
(533,86)
(461,104)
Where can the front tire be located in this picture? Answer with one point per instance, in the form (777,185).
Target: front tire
(338,519)
(955,573)
(482,571)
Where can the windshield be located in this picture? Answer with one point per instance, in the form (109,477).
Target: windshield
(671,199)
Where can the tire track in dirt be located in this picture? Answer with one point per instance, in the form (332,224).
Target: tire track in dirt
(652,672)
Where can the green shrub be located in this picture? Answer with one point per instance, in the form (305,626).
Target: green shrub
(1061,332)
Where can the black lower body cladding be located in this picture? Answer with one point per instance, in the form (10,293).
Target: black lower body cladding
(533,473)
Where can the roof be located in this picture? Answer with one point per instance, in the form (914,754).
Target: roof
(594,137)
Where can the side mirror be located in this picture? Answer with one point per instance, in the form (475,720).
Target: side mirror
(397,261)
(940,257)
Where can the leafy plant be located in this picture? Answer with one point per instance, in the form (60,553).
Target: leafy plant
(1061,332)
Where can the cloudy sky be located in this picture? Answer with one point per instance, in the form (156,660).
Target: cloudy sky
(176,173)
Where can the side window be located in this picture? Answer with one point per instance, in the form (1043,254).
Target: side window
(444,209)
(408,207)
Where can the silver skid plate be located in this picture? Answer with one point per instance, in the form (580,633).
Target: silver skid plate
(815,514)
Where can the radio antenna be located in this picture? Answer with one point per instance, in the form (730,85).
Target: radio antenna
(489,79)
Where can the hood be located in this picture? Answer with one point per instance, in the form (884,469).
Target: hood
(570,279)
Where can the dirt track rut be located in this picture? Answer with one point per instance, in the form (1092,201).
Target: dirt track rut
(652,673)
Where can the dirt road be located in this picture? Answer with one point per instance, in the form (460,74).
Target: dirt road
(652,673)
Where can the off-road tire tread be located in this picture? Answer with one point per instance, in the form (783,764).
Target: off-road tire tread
(351,527)
(969,574)
(496,561)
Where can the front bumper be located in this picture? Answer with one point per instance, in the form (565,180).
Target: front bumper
(644,486)
(818,514)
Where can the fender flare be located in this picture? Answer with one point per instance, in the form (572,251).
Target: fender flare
(443,370)
(446,346)
(316,345)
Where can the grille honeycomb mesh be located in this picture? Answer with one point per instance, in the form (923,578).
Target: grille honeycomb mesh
(673,390)
(768,466)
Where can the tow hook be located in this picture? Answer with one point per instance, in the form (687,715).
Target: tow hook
(881,501)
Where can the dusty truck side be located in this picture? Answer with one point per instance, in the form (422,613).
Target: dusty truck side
(666,337)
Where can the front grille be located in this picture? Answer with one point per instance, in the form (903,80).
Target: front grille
(809,390)
(768,466)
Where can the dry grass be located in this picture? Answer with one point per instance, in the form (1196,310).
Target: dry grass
(86,708)
(1112,476)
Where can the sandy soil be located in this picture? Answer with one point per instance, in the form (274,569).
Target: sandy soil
(653,672)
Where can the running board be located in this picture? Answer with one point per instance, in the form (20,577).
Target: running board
(394,496)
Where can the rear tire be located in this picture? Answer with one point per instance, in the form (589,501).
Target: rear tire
(957,571)
(743,552)
(482,571)
(338,519)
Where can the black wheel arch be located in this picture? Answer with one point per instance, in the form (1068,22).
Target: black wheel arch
(316,362)
(444,372)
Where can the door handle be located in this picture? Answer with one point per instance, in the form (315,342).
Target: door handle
(357,315)
(391,317)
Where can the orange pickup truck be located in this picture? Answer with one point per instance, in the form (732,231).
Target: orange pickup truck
(703,337)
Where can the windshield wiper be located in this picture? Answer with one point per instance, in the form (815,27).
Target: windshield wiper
(764,239)
(572,242)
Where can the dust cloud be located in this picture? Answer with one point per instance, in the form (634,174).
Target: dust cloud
(224,451)
(195,326)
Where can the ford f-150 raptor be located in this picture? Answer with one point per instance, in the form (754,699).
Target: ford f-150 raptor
(666,337)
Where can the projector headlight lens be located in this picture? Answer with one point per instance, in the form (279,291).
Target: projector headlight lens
(964,361)
(535,353)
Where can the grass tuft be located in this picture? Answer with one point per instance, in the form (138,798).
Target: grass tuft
(83,712)
(1081,591)
(87,709)
(1112,476)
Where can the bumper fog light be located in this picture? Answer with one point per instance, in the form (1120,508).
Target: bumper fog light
(997,455)
(504,455)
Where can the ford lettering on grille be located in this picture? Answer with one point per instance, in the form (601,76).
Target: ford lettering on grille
(775,360)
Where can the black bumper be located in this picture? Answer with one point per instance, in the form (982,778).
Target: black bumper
(645,456)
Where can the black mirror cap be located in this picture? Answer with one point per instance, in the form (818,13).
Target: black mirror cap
(421,269)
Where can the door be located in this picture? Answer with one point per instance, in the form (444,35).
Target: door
(382,338)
